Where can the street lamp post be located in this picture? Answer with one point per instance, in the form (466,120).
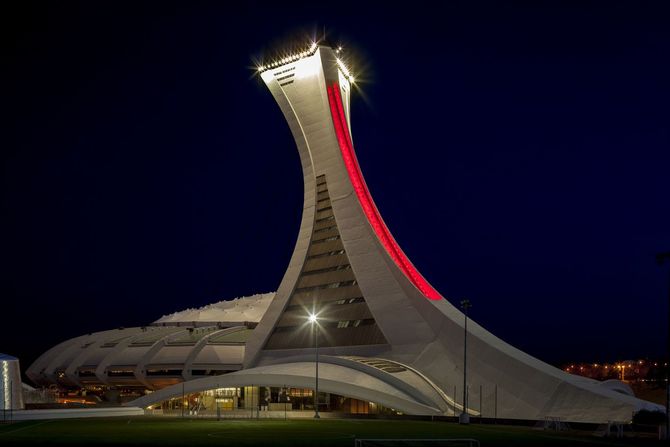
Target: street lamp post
(315,327)
(661,258)
(464,418)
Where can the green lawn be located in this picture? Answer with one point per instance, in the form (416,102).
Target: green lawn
(322,433)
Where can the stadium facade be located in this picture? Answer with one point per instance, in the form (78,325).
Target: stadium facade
(387,340)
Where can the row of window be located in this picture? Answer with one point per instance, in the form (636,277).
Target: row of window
(358,299)
(328,239)
(120,373)
(355,323)
(328,253)
(321,230)
(284,71)
(301,307)
(157,372)
(163,372)
(323,219)
(327,269)
(287,83)
(332,285)
(342,324)
(327,207)
(286,77)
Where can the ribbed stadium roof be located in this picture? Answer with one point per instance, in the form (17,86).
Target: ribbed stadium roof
(248,308)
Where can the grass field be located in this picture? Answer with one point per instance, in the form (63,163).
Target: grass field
(149,431)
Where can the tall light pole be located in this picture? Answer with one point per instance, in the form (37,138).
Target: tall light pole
(661,258)
(464,418)
(315,327)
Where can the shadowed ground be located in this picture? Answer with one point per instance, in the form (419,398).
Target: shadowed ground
(168,431)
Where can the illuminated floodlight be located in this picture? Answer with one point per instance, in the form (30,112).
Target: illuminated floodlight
(291,58)
(344,70)
(312,318)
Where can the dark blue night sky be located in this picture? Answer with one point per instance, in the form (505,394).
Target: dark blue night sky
(518,151)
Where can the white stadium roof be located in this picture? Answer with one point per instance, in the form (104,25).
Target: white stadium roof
(248,308)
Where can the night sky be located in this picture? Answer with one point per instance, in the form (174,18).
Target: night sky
(519,152)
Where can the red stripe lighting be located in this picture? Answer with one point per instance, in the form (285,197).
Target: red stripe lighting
(365,199)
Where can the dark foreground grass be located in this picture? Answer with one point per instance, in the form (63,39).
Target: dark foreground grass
(154,431)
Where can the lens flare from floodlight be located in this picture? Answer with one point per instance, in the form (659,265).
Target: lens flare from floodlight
(289,58)
(312,318)
(344,68)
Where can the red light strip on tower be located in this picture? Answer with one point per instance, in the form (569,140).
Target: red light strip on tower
(365,199)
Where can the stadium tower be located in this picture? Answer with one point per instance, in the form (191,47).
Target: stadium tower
(388,341)
(372,303)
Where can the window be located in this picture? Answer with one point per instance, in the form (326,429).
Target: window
(285,71)
(119,373)
(328,239)
(332,285)
(303,308)
(321,230)
(164,372)
(359,299)
(324,219)
(354,323)
(328,269)
(329,253)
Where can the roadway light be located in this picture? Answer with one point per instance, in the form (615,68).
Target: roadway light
(313,319)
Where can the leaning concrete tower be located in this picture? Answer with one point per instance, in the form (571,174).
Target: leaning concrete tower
(384,334)
(372,303)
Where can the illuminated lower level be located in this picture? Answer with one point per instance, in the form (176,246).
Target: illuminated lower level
(265,402)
